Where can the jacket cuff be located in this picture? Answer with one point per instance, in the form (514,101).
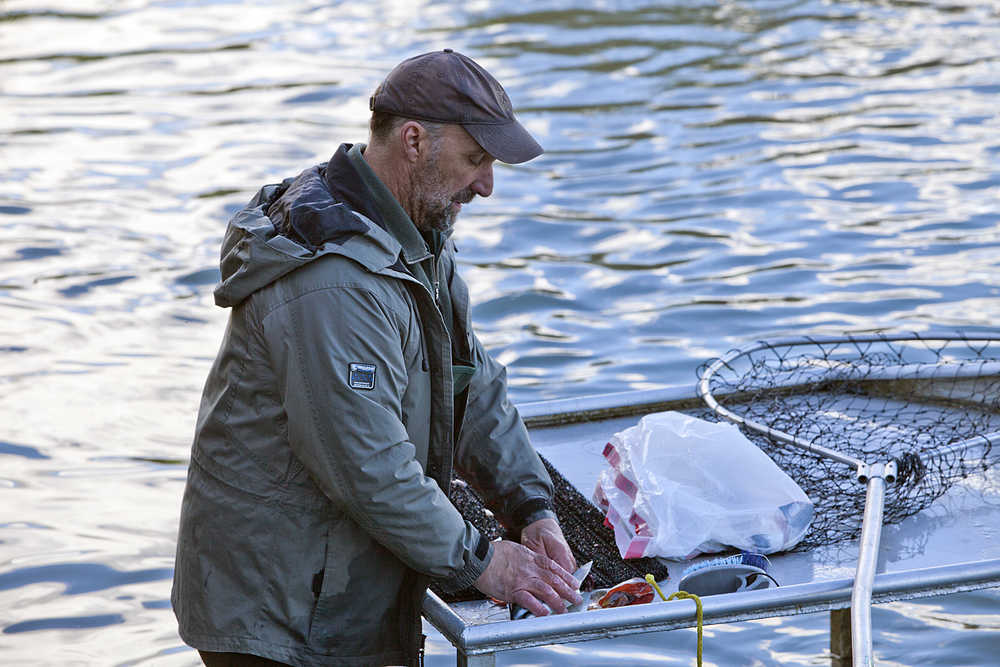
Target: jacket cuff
(529,511)
(535,516)
(477,560)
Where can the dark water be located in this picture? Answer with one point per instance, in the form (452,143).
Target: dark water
(716,172)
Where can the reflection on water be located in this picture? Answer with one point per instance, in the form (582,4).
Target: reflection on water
(716,172)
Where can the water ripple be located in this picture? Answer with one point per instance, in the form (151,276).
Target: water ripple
(80,578)
(715,172)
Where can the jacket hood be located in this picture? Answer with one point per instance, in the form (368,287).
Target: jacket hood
(290,224)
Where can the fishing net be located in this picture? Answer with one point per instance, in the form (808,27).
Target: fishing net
(929,404)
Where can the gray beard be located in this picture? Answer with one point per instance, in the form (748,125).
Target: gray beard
(430,215)
(429,208)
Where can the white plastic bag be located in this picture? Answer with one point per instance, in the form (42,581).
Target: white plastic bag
(678,486)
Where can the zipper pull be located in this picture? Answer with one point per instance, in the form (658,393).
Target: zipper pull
(437,291)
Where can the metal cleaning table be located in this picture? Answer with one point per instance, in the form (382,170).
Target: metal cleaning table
(948,548)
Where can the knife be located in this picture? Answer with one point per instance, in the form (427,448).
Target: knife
(580,574)
(518,612)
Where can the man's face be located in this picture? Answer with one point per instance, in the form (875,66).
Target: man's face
(453,172)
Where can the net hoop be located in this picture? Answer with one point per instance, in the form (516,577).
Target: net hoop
(911,371)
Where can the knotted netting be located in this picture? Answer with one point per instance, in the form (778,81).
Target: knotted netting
(930,404)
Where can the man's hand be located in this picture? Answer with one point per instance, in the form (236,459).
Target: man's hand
(545,537)
(519,575)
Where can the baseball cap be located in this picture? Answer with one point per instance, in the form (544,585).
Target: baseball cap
(448,87)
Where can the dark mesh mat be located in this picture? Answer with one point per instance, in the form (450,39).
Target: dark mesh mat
(582,524)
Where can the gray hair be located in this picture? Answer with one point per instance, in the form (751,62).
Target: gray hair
(383,124)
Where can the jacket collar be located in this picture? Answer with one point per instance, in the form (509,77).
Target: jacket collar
(288,225)
(392,216)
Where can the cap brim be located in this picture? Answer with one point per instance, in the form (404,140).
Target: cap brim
(507,142)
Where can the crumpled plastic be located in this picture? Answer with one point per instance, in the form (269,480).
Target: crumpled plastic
(677,486)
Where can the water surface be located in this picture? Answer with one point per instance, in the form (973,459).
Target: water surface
(716,172)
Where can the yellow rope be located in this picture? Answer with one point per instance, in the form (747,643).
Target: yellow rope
(683,595)
(697,602)
(651,580)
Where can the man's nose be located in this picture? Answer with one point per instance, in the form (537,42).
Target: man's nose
(483,185)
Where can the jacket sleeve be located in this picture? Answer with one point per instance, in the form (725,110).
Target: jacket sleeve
(352,440)
(494,453)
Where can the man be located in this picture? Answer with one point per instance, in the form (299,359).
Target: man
(348,387)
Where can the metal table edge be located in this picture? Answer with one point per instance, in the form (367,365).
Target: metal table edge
(604,406)
(784,601)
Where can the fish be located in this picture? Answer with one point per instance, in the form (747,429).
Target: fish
(629,592)
(518,612)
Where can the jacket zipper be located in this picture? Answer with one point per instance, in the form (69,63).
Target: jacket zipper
(436,281)
(434,246)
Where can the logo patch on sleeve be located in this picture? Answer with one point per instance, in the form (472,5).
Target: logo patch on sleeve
(361,376)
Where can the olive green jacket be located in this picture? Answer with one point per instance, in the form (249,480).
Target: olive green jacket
(316,508)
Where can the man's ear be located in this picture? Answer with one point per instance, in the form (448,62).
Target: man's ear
(413,138)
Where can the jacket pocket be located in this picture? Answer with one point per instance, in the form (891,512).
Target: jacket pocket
(356,610)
